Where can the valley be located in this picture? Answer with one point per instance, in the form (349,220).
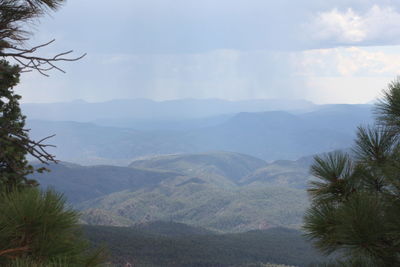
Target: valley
(232,185)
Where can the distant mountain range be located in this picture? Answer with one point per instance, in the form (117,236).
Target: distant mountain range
(116,112)
(221,191)
(167,172)
(170,195)
(268,135)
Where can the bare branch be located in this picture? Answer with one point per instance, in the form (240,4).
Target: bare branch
(36,149)
(28,61)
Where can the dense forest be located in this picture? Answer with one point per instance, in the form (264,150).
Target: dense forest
(165,244)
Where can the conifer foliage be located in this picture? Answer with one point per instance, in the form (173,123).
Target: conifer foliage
(14,140)
(355,197)
(36,227)
(15,144)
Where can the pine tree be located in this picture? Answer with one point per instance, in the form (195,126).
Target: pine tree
(355,207)
(15,143)
(36,228)
(14,140)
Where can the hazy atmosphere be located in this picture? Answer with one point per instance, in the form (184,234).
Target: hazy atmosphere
(322,51)
(200,133)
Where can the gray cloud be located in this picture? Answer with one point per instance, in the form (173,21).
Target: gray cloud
(375,26)
(229,74)
(190,26)
(164,49)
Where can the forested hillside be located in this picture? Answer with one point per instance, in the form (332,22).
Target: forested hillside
(220,191)
(146,247)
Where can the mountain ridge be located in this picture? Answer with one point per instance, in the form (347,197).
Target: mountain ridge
(217,195)
(150,109)
(267,135)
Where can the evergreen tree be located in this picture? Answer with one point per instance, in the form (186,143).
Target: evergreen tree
(355,207)
(36,228)
(14,140)
(14,16)
(15,143)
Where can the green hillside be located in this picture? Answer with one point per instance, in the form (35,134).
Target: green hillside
(80,183)
(146,248)
(245,208)
(175,229)
(285,173)
(103,217)
(219,166)
(221,191)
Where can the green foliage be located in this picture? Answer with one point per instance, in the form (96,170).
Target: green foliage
(374,145)
(335,173)
(354,262)
(54,263)
(37,226)
(14,141)
(355,202)
(15,14)
(388,108)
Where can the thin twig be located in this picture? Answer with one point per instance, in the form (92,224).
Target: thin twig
(29,62)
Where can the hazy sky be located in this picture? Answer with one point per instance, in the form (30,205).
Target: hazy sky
(326,51)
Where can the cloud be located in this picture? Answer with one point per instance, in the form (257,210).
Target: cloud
(353,74)
(229,74)
(377,25)
(349,61)
(164,49)
(192,26)
(345,89)
(347,74)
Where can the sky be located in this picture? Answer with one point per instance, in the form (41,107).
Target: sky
(331,51)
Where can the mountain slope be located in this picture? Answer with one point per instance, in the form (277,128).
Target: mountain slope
(209,206)
(80,183)
(224,165)
(145,109)
(271,136)
(286,173)
(267,135)
(220,191)
(146,248)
